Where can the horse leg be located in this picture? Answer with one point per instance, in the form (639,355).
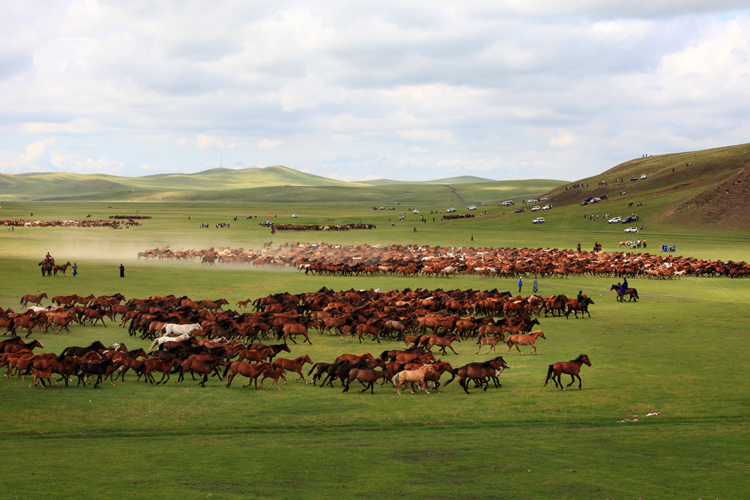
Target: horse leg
(534,347)
(579,381)
(454,351)
(518,348)
(463,384)
(205,379)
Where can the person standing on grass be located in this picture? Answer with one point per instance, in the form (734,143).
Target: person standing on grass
(75,269)
(520,284)
(535,289)
(122,271)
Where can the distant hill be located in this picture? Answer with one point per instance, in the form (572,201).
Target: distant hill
(276,184)
(699,189)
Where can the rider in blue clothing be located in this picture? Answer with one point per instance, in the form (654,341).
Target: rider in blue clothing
(624,286)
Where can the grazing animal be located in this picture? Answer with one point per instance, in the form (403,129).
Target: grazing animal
(571,368)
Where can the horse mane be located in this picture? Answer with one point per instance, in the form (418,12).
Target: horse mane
(579,358)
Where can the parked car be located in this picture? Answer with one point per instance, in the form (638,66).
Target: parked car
(294,216)
(631,230)
(634,178)
(546,207)
(615,220)
(627,219)
(450,210)
(643,176)
(472,207)
(532,201)
(521,210)
(508,203)
(536,208)
(415,211)
(538,220)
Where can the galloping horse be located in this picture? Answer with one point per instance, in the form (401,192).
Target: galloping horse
(524,339)
(177,329)
(418,376)
(161,340)
(34,299)
(570,368)
(621,296)
(583,307)
(293,365)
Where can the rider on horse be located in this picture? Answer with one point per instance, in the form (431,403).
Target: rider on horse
(48,259)
(624,286)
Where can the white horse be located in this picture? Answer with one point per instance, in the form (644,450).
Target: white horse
(160,340)
(176,329)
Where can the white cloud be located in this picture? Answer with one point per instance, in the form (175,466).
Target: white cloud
(270,144)
(402,89)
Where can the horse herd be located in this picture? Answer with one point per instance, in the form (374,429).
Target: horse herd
(411,260)
(199,337)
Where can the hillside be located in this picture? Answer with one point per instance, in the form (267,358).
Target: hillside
(708,188)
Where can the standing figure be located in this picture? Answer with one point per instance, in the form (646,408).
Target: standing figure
(122,271)
(75,269)
(520,284)
(536,286)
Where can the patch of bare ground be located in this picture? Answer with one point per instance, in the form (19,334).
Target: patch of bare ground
(721,205)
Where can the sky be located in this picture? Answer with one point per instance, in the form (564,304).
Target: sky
(360,90)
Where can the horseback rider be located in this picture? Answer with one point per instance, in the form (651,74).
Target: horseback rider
(624,286)
(579,297)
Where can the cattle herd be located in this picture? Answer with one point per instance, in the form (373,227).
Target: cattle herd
(200,337)
(409,260)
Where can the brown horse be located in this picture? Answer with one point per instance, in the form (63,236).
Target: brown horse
(293,329)
(61,269)
(252,371)
(293,365)
(33,299)
(575,306)
(490,341)
(367,377)
(570,368)
(524,339)
(632,292)
(429,341)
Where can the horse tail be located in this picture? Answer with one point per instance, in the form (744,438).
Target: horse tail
(226,370)
(394,380)
(635,292)
(63,354)
(453,375)
(550,372)
(312,369)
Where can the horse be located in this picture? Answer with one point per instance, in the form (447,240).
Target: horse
(491,341)
(583,307)
(632,292)
(252,371)
(202,365)
(177,329)
(442,342)
(34,299)
(480,372)
(418,376)
(161,340)
(570,368)
(293,329)
(524,339)
(367,377)
(47,266)
(61,269)
(293,365)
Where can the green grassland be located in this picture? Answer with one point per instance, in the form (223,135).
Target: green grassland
(680,351)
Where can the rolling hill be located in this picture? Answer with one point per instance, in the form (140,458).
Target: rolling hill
(699,189)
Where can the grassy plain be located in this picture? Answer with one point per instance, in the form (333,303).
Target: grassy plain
(680,351)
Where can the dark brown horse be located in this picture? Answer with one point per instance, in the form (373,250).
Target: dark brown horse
(570,368)
(367,377)
(632,292)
